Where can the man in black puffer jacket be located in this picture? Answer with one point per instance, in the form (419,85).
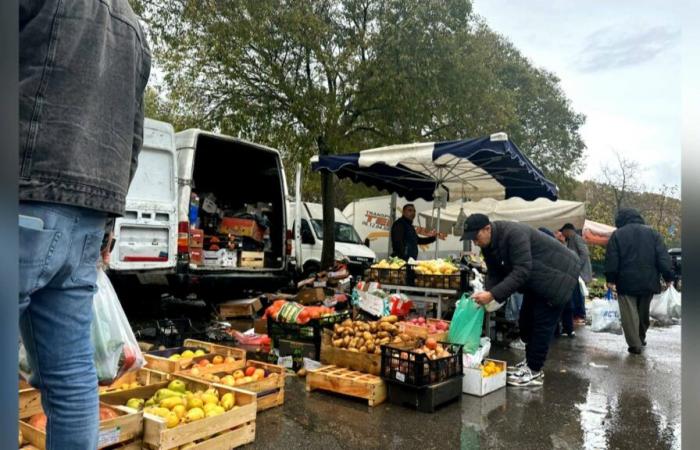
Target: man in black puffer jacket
(635,260)
(521,259)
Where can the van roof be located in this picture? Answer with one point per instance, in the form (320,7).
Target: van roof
(316,212)
(158,125)
(187,139)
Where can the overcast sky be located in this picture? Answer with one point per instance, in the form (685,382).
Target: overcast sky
(619,63)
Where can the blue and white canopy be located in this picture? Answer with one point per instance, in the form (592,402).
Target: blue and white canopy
(486,167)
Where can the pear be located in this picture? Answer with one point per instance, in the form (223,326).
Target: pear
(194,414)
(136,403)
(177,386)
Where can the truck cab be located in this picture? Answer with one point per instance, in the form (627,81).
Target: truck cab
(348,245)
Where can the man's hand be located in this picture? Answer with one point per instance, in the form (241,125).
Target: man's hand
(611,286)
(432,233)
(483,297)
(107,249)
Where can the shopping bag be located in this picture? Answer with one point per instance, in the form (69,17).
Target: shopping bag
(606,315)
(674,303)
(584,288)
(116,349)
(474,360)
(466,325)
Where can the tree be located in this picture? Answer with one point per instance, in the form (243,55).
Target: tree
(328,77)
(622,179)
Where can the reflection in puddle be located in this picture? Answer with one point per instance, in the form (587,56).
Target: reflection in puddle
(593,416)
(669,432)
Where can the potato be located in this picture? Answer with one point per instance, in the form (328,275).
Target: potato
(382,334)
(373,327)
(363,349)
(337,342)
(397,340)
(346,341)
(353,350)
(390,319)
(377,350)
(370,347)
(337,328)
(360,342)
(353,343)
(384,341)
(405,337)
(347,323)
(367,336)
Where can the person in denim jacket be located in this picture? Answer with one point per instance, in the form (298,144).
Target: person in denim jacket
(84,65)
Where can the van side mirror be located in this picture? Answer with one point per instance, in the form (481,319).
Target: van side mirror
(366,242)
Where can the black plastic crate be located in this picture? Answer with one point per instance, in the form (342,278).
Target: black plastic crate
(439,281)
(309,332)
(425,399)
(388,276)
(416,369)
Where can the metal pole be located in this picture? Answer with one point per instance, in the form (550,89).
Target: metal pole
(392,217)
(437,237)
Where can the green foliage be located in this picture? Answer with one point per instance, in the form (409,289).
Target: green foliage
(354,74)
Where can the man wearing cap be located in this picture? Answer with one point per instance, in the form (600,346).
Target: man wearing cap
(578,245)
(520,258)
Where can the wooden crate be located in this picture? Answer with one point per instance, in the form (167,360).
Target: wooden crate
(270,391)
(422,332)
(363,362)
(252,260)
(163,364)
(347,382)
(125,428)
(144,377)
(29,400)
(237,425)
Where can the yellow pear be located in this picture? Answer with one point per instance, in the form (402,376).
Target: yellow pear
(194,402)
(215,411)
(171,402)
(194,414)
(210,398)
(180,410)
(172,420)
(227,401)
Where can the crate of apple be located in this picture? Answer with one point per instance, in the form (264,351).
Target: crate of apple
(216,363)
(423,328)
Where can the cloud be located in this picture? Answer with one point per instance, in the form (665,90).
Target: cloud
(616,47)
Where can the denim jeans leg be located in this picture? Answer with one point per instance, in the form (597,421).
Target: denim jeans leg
(56,321)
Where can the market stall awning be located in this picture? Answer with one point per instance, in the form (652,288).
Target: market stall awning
(491,166)
(541,212)
(596,233)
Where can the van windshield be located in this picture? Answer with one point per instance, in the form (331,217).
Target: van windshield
(343,232)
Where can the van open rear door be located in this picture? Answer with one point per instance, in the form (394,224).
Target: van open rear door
(146,237)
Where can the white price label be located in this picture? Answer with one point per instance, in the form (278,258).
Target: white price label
(108,437)
(401,377)
(372,304)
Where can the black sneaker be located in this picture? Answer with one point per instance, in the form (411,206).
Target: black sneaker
(635,350)
(571,335)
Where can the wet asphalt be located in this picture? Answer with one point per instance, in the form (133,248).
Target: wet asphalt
(595,396)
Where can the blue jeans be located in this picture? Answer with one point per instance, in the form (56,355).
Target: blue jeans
(58,270)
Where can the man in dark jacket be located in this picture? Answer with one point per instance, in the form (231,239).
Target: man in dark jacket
(404,239)
(635,260)
(520,258)
(83,68)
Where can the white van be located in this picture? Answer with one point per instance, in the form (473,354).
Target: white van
(152,239)
(348,244)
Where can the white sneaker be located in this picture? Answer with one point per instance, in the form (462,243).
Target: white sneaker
(513,369)
(518,344)
(526,377)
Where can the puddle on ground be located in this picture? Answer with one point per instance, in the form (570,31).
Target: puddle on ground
(594,416)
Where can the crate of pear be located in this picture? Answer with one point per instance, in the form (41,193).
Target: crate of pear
(183,410)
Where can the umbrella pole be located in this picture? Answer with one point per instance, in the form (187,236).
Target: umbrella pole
(437,237)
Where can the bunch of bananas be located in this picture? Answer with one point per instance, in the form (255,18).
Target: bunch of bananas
(393,263)
(436,267)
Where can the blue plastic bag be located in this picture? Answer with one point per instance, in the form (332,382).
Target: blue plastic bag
(466,325)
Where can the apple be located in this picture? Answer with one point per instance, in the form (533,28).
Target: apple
(218,359)
(259,374)
(421,320)
(228,380)
(238,374)
(432,329)
(249,371)
(229,360)
(203,362)
(195,371)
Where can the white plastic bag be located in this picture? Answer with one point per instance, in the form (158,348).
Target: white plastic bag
(666,305)
(605,316)
(116,349)
(474,360)
(584,288)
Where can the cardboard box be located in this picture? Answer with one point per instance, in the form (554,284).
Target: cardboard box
(196,238)
(222,257)
(310,295)
(474,384)
(241,227)
(197,256)
(252,260)
(260,326)
(240,308)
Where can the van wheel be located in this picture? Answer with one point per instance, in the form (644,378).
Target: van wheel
(311,268)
